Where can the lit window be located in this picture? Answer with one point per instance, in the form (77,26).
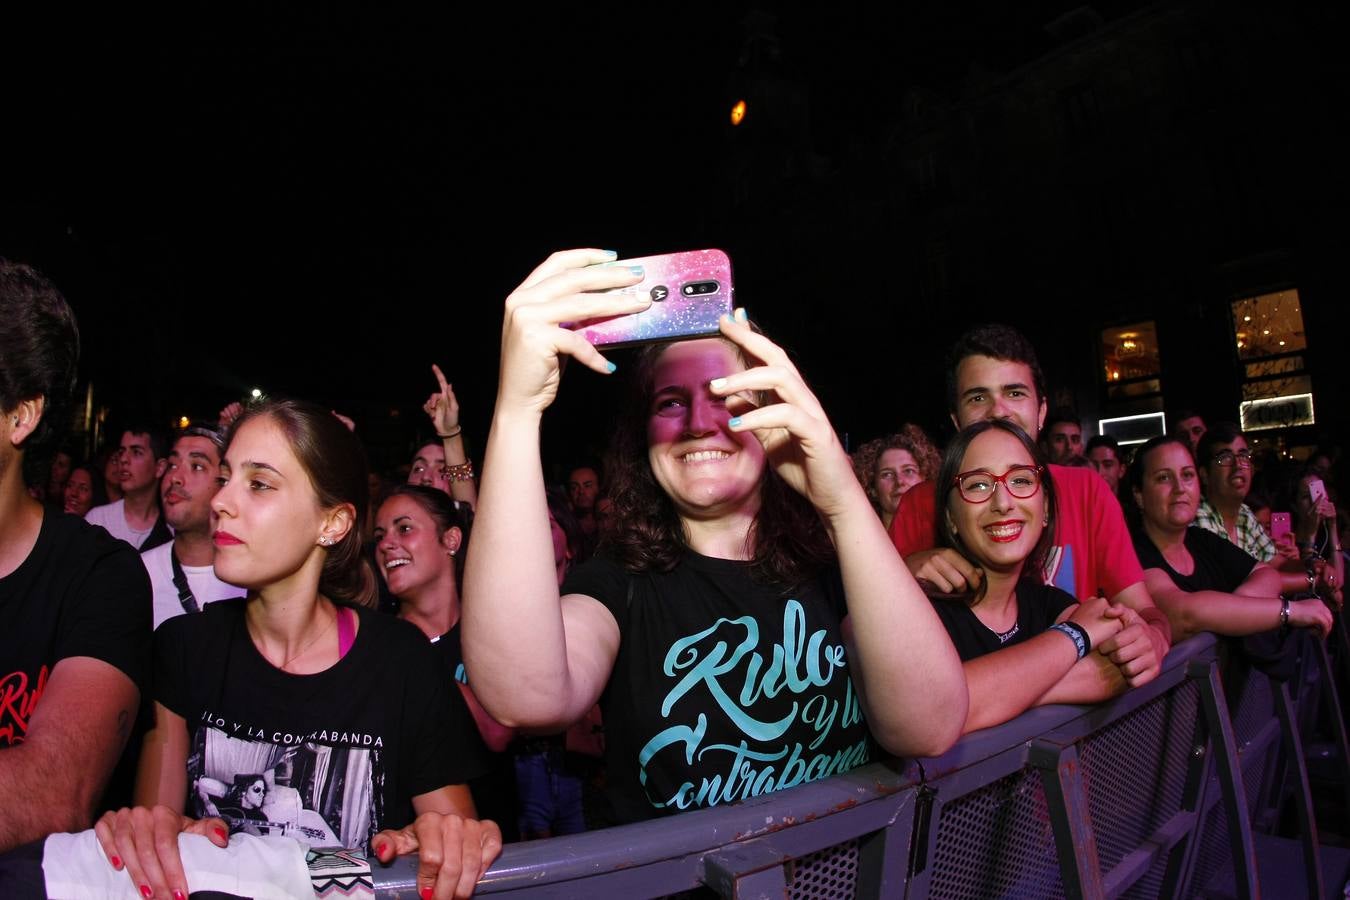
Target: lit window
(1130,361)
(1269,337)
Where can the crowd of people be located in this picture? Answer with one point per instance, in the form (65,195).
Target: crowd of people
(242,630)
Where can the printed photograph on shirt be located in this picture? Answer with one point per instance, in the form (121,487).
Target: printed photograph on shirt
(318,792)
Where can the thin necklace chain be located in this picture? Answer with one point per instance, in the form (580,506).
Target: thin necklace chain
(297,654)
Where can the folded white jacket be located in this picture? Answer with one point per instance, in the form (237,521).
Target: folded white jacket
(267,868)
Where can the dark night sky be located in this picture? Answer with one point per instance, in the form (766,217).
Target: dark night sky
(323,203)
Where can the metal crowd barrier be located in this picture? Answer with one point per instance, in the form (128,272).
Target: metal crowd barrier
(1270,719)
(1167,791)
(1143,796)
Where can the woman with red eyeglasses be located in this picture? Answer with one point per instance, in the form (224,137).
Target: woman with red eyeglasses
(1022,642)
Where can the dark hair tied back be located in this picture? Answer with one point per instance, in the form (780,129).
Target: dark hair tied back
(335,461)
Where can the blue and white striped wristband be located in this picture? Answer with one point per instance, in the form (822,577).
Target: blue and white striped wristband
(1076,633)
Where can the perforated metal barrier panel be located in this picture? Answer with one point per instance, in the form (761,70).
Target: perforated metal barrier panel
(829,874)
(1125,794)
(997,842)
(1135,773)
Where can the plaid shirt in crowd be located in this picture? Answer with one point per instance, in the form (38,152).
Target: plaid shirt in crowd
(1251,536)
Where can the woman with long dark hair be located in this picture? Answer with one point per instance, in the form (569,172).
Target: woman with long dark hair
(1023,642)
(347,708)
(421,536)
(744,557)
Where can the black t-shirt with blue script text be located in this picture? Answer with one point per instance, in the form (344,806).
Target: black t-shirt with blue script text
(723,688)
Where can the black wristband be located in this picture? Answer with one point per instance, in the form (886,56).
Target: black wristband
(1076,633)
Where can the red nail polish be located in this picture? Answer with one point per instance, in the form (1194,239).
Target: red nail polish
(116,863)
(426,893)
(224,835)
(146,892)
(379,850)
(179,895)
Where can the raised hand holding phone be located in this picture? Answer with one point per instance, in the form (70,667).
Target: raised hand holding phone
(1280,525)
(690,292)
(569,286)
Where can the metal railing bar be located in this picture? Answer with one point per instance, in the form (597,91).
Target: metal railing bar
(1137,863)
(1298,766)
(1229,771)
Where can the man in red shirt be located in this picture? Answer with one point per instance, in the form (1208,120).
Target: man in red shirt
(993,373)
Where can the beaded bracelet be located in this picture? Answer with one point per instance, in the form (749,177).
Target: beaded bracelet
(460,472)
(1076,633)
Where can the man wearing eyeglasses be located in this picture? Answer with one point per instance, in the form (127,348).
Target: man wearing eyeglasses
(993,373)
(1225,465)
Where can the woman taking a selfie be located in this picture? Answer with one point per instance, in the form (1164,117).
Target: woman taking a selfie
(339,721)
(744,554)
(1200,580)
(1023,643)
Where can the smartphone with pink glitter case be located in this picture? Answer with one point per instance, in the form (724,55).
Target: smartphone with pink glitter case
(690,292)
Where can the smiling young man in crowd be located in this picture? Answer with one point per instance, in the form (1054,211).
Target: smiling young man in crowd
(993,373)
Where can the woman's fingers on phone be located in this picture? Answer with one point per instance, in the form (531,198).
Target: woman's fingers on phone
(778,415)
(594,279)
(577,308)
(584,352)
(784,381)
(736,328)
(563,260)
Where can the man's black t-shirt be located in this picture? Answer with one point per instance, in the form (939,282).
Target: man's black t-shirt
(80,592)
(723,688)
(1038,606)
(494,792)
(329,758)
(1219,564)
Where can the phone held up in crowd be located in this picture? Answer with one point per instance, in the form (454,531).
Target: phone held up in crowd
(690,292)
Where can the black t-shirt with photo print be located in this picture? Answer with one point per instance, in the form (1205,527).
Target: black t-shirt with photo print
(723,688)
(1038,606)
(330,758)
(80,592)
